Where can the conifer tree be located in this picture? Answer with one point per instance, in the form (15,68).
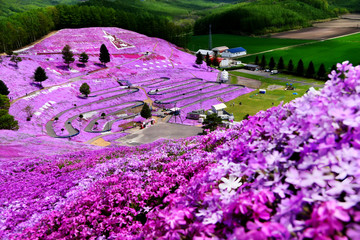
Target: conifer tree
(290,67)
(310,72)
(263,62)
(4,102)
(257,60)
(3,89)
(211,122)
(272,63)
(145,111)
(215,60)
(280,65)
(199,58)
(321,74)
(40,75)
(208,60)
(300,68)
(84,58)
(68,55)
(85,89)
(104,55)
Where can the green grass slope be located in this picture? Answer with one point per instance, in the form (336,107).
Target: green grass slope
(328,52)
(251,44)
(254,102)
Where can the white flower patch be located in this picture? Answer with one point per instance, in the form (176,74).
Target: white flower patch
(89,114)
(44,107)
(137,65)
(57,87)
(231,183)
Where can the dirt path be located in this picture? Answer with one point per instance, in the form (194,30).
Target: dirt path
(283,79)
(247,82)
(345,25)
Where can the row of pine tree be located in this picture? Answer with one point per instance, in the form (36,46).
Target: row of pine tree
(290,68)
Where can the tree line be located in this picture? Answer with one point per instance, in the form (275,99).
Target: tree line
(23,28)
(290,68)
(6,120)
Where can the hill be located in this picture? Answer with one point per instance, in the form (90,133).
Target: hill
(291,172)
(9,7)
(351,5)
(142,69)
(263,16)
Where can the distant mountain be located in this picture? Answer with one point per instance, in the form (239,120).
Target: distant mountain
(8,7)
(351,5)
(265,16)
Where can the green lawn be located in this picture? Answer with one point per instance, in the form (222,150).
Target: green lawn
(328,52)
(254,102)
(251,44)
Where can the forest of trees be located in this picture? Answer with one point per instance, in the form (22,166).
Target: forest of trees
(246,17)
(261,17)
(23,28)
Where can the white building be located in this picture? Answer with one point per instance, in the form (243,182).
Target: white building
(205,52)
(233,52)
(220,49)
(218,108)
(224,77)
(225,63)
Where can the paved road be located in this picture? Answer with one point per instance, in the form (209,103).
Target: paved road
(276,77)
(71,130)
(158,131)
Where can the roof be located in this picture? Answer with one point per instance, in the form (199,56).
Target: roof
(204,52)
(235,50)
(222,48)
(219,106)
(252,65)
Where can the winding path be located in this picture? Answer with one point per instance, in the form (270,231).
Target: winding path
(72,130)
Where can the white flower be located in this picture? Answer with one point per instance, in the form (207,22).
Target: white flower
(231,183)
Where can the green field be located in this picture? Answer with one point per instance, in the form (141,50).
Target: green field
(251,44)
(254,102)
(328,52)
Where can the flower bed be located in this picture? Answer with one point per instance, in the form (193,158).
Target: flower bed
(291,172)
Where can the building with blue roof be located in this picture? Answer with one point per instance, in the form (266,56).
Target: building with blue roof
(233,52)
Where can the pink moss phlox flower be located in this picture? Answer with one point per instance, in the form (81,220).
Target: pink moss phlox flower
(326,220)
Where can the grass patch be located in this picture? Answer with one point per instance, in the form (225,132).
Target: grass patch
(328,52)
(254,102)
(233,80)
(251,44)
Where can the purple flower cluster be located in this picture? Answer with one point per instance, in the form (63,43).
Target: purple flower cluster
(291,172)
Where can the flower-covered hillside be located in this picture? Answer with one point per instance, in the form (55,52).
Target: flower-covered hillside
(291,172)
(136,61)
